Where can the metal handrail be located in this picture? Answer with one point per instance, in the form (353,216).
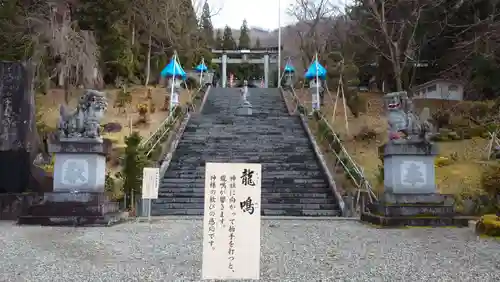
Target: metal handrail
(355,166)
(162,124)
(165,125)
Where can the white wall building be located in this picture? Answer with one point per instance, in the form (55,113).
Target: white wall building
(440,89)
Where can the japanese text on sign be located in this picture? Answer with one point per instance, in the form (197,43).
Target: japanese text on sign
(232,221)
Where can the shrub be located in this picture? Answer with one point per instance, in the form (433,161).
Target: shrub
(442,161)
(135,161)
(442,118)
(152,107)
(123,99)
(109,183)
(490,180)
(380,174)
(317,115)
(477,131)
(479,110)
(192,83)
(302,110)
(357,104)
(365,134)
(112,127)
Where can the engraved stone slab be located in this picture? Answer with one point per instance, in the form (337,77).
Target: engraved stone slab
(79,147)
(16,112)
(79,172)
(409,174)
(400,199)
(405,147)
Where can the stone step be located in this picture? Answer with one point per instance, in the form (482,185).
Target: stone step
(198,162)
(268,171)
(266,174)
(280,137)
(263,200)
(156,211)
(265,195)
(219,148)
(308,213)
(266,182)
(299,147)
(248,127)
(243,158)
(262,205)
(266,166)
(292,182)
(289,189)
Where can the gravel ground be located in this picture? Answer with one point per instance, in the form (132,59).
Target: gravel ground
(292,250)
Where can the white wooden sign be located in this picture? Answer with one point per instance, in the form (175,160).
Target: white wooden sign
(150,182)
(175,98)
(315,101)
(231,223)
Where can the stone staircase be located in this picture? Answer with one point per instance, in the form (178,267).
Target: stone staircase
(293,183)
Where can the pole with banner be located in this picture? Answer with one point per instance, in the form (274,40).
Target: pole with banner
(231,221)
(174,59)
(317,84)
(202,70)
(150,185)
(279,43)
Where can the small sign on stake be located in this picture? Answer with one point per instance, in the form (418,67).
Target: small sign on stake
(150,182)
(231,223)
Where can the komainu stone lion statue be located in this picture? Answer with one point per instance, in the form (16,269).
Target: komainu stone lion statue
(402,118)
(84,122)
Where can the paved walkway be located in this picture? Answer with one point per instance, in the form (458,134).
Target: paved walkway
(292,250)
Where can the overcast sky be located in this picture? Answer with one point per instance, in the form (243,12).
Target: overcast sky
(258,13)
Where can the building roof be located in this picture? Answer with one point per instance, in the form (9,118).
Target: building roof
(435,81)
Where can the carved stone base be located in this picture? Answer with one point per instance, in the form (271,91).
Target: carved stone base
(245,110)
(72,209)
(384,221)
(414,210)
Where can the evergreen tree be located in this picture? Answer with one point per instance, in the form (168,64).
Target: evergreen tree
(218,39)
(244,40)
(206,25)
(228,42)
(257,43)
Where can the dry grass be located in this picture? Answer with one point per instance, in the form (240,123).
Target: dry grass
(463,175)
(50,108)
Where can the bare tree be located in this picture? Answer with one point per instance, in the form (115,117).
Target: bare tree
(314,25)
(75,51)
(393,33)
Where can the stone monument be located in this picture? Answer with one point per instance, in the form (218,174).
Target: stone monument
(245,109)
(410,193)
(174,98)
(79,168)
(16,128)
(288,80)
(317,93)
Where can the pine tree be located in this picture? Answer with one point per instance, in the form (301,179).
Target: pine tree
(257,43)
(228,42)
(244,40)
(206,25)
(218,39)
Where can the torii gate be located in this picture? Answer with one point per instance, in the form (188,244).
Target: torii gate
(268,57)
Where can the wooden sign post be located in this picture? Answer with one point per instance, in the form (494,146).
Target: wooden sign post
(231,224)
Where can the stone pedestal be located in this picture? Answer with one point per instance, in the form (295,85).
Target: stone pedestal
(411,197)
(79,180)
(409,168)
(288,80)
(246,108)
